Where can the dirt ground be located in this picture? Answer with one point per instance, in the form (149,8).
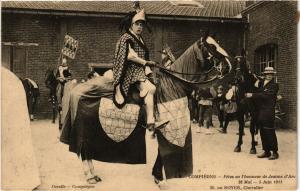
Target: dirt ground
(216,166)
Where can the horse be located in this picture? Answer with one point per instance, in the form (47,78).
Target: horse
(32,93)
(245,81)
(51,83)
(98,130)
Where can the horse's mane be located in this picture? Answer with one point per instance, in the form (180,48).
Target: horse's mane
(169,87)
(189,62)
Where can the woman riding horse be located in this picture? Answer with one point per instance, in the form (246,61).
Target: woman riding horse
(99,130)
(131,66)
(96,130)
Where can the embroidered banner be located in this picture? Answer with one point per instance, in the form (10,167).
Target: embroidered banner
(70,47)
(117,123)
(177,112)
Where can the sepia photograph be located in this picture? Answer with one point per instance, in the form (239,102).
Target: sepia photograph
(149,95)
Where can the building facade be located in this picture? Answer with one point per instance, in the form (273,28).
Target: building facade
(271,40)
(32,33)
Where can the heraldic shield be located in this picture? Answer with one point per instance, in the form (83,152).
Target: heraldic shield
(117,123)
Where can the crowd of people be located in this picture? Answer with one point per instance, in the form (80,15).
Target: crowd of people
(203,103)
(206,101)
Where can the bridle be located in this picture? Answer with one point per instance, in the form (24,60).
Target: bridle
(217,66)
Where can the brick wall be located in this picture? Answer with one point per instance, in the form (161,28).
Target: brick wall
(276,22)
(97,38)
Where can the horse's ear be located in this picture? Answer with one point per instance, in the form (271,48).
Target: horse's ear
(204,34)
(214,35)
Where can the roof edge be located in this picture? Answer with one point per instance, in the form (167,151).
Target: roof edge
(120,15)
(253,6)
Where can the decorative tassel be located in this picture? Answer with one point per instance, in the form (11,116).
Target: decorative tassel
(136,6)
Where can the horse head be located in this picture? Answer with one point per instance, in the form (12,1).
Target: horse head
(215,57)
(204,61)
(241,66)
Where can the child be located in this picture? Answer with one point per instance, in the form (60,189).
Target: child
(205,109)
(219,103)
(230,107)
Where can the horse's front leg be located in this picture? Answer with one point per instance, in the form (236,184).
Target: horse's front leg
(54,108)
(253,131)
(240,118)
(30,105)
(158,172)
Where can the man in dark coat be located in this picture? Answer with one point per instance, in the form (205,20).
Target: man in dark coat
(266,96)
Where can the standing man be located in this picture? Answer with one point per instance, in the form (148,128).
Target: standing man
(62,76)
(266,96)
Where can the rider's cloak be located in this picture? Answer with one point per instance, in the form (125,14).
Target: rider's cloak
(125,71)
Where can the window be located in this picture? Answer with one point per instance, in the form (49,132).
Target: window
(265,56)
(14,56)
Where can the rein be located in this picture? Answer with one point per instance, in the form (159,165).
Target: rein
(183,73)
(171,72)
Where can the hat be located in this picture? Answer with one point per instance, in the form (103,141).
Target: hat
(269,70)
(139,16)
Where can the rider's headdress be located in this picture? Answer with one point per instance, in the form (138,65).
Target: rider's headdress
(139,16)
(133,16)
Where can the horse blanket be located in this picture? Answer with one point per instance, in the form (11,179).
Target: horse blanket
(19,166)
(117,123)
(95,126)
(84,133)
(177,112)
(175,140)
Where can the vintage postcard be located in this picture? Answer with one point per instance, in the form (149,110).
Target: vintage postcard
(149,95)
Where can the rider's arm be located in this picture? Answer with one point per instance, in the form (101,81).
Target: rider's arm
(61,71)
(267,93)
(133,56)
(61,76)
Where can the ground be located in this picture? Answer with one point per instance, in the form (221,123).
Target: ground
(216,166)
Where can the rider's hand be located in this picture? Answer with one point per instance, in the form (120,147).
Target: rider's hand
(150,63)
(248,95)
(61,79)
